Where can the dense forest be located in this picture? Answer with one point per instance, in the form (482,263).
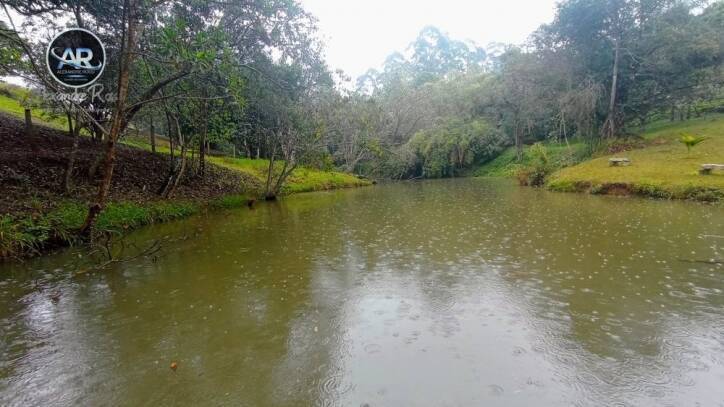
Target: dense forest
(249,78)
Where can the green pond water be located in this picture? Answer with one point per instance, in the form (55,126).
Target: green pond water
(467,292)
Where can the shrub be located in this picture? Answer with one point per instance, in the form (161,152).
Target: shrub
(652,190)
(699,193)
(20,236)
(540,167)
(690,141)
(29,235)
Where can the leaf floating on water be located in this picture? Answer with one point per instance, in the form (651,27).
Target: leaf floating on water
(174,366)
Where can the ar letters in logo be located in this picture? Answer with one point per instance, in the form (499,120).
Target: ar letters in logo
(76,58)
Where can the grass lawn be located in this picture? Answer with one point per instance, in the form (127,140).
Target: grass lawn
(301,180)
(11,98)
(662,169)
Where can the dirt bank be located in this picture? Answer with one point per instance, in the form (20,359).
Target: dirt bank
(32,171)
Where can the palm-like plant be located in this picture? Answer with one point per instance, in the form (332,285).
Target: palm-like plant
(689,140)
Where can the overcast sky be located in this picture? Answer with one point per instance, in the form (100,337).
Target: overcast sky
(360,34)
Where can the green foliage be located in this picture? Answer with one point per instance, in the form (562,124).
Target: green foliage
(567,186)
(535,173)
(30,234)
(119,217)
(20,236)
(449,149)
(230,201)
(507,165)
(558,89)
(14,100)
(10,52)
(652,190)
(301,180)
(306,180)
(690,141)
(699,193)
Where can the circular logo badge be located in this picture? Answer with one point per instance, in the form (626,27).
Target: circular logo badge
(76,58)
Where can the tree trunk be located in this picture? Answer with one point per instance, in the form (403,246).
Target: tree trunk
(280,181)
(28,123)
(152,130)
(202,154)
(269,194)
(70,123)
(169,126)
(518,142)
(202,143)
(609,126)
(127,52)
(75,133)
(177,172)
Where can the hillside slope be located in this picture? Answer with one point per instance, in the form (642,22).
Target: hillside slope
(507,165)
(662,169)
(32,169)
(35,212)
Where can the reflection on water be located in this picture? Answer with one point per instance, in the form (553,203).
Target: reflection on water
(462,292)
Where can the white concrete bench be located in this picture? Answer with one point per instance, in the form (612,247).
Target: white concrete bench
(708,168)
(615,162)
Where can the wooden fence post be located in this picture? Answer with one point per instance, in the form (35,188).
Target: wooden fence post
(28,123)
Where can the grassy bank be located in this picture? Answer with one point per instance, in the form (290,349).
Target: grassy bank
(301,180)
(662,168)
(36,214)
(507,164)
(35,233)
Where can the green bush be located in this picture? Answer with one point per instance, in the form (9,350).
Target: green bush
(26,235)
(699,193)
(539,167)
(690,141)
(651,190)
(451,148)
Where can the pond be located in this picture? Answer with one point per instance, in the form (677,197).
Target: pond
(453,292)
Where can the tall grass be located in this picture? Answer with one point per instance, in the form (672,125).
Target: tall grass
(29,234)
